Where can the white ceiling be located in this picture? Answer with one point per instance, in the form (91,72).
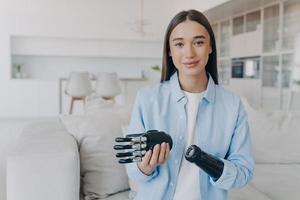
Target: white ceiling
(234,7)
(201,5)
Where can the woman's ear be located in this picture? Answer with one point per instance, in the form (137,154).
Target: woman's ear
(170,54)
(210,50)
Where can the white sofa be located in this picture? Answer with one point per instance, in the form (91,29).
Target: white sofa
(10,130)
(45,163)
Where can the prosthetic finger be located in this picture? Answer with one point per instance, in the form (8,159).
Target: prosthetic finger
(137,146)
(212,165)
(134,146)
(133,153)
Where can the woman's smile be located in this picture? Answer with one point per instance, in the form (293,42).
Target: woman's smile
(190,64)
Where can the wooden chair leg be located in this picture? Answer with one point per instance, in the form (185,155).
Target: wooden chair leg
(71,106)
(83,100)
(73,99)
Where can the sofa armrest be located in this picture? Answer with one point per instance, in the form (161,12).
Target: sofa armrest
(43,165)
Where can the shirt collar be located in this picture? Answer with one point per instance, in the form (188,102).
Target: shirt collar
(178,94)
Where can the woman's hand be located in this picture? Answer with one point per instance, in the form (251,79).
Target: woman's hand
(152,159)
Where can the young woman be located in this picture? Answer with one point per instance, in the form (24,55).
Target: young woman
(189,105)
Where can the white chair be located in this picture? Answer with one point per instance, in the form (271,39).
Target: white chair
(78,87)
(108,85)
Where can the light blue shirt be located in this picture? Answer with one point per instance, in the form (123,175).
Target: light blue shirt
(222,130)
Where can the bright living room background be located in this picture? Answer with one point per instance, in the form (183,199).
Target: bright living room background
(52,38)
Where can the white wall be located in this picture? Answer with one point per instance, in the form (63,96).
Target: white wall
(248,88)
(77,19)
(113,20)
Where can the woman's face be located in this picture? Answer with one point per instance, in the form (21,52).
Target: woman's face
(190,48)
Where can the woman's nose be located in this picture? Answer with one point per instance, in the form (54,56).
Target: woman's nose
(189,51)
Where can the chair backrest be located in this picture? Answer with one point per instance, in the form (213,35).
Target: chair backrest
(108,85)
(79,84)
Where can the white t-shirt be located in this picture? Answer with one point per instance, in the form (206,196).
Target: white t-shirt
(187,186)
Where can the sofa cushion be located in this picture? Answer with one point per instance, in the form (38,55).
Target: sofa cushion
(118,196)
(247,193)
(95,132)
(43,127)
(43,163)
(278,181)
(275,135)
(10,129)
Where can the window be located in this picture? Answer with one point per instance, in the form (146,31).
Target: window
(271,29)
(238,25)
(271,71)
(224,39)
(224,72)
(291,21)
(253,21)
(287,65)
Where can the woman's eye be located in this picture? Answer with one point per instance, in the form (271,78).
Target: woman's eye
(179,44)
(199,43)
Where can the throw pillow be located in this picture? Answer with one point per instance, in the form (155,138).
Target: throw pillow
(101,174)
(275,135)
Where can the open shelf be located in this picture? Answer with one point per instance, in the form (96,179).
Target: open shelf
(47,58)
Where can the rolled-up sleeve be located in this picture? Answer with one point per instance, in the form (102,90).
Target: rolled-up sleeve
(239,162)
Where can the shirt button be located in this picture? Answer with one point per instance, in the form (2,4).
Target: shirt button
(176,161)
(181,117)
(180,137)
(171,184)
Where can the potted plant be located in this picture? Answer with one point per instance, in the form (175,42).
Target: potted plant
(18,73)
(156,68)
(297,82)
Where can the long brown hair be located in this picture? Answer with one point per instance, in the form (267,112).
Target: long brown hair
(168,67)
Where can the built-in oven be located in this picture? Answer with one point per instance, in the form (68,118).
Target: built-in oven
(247,67)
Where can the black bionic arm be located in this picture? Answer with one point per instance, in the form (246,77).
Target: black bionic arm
(212,165)
(134,146)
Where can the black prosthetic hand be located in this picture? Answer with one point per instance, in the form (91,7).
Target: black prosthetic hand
(134,146)
(208,163)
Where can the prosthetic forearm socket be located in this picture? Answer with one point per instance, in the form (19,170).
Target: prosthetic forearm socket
(212,165)
(134,146)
